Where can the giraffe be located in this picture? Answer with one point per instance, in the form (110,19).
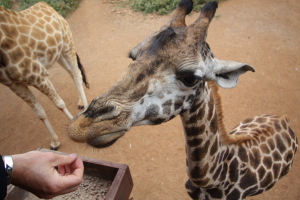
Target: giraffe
(31,42)
(174,72)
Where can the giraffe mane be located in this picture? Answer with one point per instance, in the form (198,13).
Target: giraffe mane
(226,138)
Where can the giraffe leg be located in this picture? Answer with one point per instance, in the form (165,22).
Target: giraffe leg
(48,89)
(69,63)
(24,93)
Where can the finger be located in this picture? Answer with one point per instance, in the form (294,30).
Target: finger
(76,175)
(71,180)
(68,169)
(63,159)
(64,170)
(61,170)
(78,168)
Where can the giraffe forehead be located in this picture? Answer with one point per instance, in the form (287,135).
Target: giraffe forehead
(176,43)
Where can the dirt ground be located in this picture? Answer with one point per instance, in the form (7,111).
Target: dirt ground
(264,34)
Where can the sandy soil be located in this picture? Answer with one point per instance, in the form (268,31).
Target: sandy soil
(264,34)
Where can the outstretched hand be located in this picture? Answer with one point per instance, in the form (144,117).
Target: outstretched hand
(35,172)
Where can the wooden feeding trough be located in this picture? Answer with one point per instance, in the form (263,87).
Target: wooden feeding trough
(117,179)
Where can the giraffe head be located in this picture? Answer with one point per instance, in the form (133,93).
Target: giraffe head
(161,82)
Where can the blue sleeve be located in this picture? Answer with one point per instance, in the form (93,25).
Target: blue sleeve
(3,175)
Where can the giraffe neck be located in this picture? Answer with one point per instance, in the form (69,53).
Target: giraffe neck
(203,128)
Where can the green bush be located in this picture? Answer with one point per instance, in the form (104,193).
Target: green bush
(155,6)
(63,7)
(198,4)
(161,7)
(6,3)
(66,7)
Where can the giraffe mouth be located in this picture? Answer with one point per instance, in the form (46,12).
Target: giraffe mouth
(105,140)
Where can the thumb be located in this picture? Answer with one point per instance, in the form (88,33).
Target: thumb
(64,159)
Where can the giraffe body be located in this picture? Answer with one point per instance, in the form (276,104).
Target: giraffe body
(175,73)
(31,42)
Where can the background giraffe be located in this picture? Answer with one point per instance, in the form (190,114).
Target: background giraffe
(31,42)
(151,98)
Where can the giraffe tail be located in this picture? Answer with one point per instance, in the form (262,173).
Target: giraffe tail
(82,72)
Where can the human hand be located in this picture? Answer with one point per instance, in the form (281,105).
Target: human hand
(35,172)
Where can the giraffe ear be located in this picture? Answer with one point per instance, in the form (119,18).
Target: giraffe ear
(226,73)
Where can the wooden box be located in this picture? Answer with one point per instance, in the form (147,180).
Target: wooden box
(118,174)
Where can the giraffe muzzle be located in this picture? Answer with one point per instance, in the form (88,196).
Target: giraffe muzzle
(101,128)
(105,140)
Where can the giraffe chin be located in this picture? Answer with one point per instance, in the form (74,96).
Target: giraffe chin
(106,140)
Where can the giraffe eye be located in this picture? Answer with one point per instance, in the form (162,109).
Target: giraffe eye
(188,78)
(190,81)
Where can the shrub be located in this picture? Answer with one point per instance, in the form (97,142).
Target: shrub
(63,7)
(6,3)
(161,7)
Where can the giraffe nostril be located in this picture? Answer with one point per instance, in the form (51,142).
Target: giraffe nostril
(88,113)
(93,112)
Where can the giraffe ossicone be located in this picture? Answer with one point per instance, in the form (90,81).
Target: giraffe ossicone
(175,73)
(31,42)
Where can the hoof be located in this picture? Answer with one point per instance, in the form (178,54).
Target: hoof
(80,107)
(54,148)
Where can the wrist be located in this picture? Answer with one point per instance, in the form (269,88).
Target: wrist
(8,165)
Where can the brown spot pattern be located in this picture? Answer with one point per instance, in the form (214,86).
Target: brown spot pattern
(255,158)
(51,41)
(8,44)
(16,55)
(38,34)
(14,73)
(267,162)
(3,59)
